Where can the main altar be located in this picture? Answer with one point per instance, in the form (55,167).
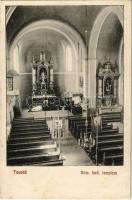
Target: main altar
(42,80)
(42,76)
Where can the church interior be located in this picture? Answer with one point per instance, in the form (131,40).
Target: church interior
(64,96)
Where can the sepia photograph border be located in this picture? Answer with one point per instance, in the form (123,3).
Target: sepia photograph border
(81,186)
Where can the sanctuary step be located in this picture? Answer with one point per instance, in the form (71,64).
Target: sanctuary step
(30,143)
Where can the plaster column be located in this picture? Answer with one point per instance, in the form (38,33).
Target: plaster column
(77,75)
(121,71)
(85,78)
(92,63)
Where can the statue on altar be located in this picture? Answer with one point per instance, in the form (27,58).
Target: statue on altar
(108,86)
(42,76)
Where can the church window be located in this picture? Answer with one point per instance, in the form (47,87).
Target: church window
(68,58)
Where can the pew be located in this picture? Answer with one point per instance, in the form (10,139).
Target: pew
(111,117)
(30,143)
(108,146)
(29,129)
(31,159)
(71,118)
(78,127)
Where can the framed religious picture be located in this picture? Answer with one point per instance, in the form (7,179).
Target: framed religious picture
(9,83)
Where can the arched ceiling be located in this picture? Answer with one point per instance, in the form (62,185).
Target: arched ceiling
(31,44)
(109,39)
(81,18)
(37,39)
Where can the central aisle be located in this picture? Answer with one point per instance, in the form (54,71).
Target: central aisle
(72,153)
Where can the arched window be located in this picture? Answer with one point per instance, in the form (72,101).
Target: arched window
(68,58)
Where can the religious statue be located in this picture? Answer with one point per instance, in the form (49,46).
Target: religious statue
(108,86)
(43,77)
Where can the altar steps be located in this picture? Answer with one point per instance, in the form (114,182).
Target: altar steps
(30,143)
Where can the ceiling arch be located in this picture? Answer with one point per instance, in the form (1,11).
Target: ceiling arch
(94,36)
(64,29)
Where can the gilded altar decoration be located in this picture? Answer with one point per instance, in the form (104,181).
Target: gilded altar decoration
(107,84)
(42,76)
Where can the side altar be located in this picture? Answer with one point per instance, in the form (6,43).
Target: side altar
(107,78)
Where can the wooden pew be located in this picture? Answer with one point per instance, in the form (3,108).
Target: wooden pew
(29,129)
(31,144)
(31,159)
(29,138)
(72,118)
(108,148)
(111,117)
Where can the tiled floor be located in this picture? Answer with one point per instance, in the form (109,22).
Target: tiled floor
(72,153)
